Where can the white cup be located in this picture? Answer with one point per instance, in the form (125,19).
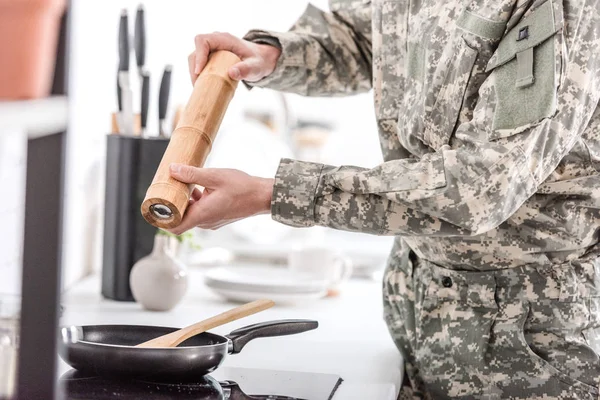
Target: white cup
(320,263)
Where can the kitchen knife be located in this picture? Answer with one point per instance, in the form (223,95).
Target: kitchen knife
(163,100)
(124,41)
(122,61)
(119,95)
(127,99)
(124,83)
(139,45)
(145,100)
(139,39)
(118,116)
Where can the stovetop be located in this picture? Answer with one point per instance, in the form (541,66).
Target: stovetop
(225,384)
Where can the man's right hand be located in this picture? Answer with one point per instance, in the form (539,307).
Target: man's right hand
(258,60)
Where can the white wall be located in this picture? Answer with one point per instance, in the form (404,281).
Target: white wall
(171,27)
(13,165)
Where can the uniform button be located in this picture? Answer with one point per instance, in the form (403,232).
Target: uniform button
(447,281)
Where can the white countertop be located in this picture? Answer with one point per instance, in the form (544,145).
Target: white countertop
(352,340)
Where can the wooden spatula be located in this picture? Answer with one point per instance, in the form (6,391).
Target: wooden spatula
(175,338)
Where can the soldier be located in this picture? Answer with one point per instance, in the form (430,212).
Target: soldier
(489,122)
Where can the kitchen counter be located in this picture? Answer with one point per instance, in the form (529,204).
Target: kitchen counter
(352,340)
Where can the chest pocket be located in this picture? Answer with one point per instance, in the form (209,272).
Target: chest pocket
(443,68)
(526,71)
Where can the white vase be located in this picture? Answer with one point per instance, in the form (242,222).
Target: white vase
(159,281)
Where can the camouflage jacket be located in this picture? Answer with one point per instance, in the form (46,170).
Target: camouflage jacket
(488,119)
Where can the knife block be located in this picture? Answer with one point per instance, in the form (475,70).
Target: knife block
(131,162)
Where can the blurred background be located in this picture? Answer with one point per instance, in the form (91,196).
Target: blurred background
(171,27)
(75,165)
(258,128)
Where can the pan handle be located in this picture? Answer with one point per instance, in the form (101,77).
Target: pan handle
(240,337)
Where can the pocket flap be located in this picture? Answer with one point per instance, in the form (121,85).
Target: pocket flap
(533,30)
(592,337)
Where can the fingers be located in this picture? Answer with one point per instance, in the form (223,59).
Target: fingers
(227,195)
(192,67)
(199,214)
(206,177)
(249,70)
(205,44)
(196,194)
(188,222)
(202,51)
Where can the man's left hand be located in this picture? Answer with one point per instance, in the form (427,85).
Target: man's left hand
(229,195)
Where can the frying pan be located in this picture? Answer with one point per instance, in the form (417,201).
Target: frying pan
(108,350)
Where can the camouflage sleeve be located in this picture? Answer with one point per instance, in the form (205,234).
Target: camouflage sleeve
(323,53)
(467,189)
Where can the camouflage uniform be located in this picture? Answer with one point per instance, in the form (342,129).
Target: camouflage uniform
(489,122)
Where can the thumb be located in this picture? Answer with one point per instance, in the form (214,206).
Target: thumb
(248,70)
(199,176)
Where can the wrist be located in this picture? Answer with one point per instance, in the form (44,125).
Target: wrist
(270,54)
(265,195)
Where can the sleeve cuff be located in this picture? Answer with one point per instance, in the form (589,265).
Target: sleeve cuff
(298,184)
(290,60)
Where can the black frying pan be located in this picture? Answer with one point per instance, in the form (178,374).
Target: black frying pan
(108,350)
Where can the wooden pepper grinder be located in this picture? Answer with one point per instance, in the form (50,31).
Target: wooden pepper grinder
(167,199)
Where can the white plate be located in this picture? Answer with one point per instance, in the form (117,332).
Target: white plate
(279,298)
(260,279)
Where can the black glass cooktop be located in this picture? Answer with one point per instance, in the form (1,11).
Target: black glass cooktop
(250,385)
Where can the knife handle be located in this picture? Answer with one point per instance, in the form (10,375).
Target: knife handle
(163,94)
(119,95)
(124,41)
(145,99)
(139,39)
(167,199)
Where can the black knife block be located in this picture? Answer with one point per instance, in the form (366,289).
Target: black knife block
(131,163)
